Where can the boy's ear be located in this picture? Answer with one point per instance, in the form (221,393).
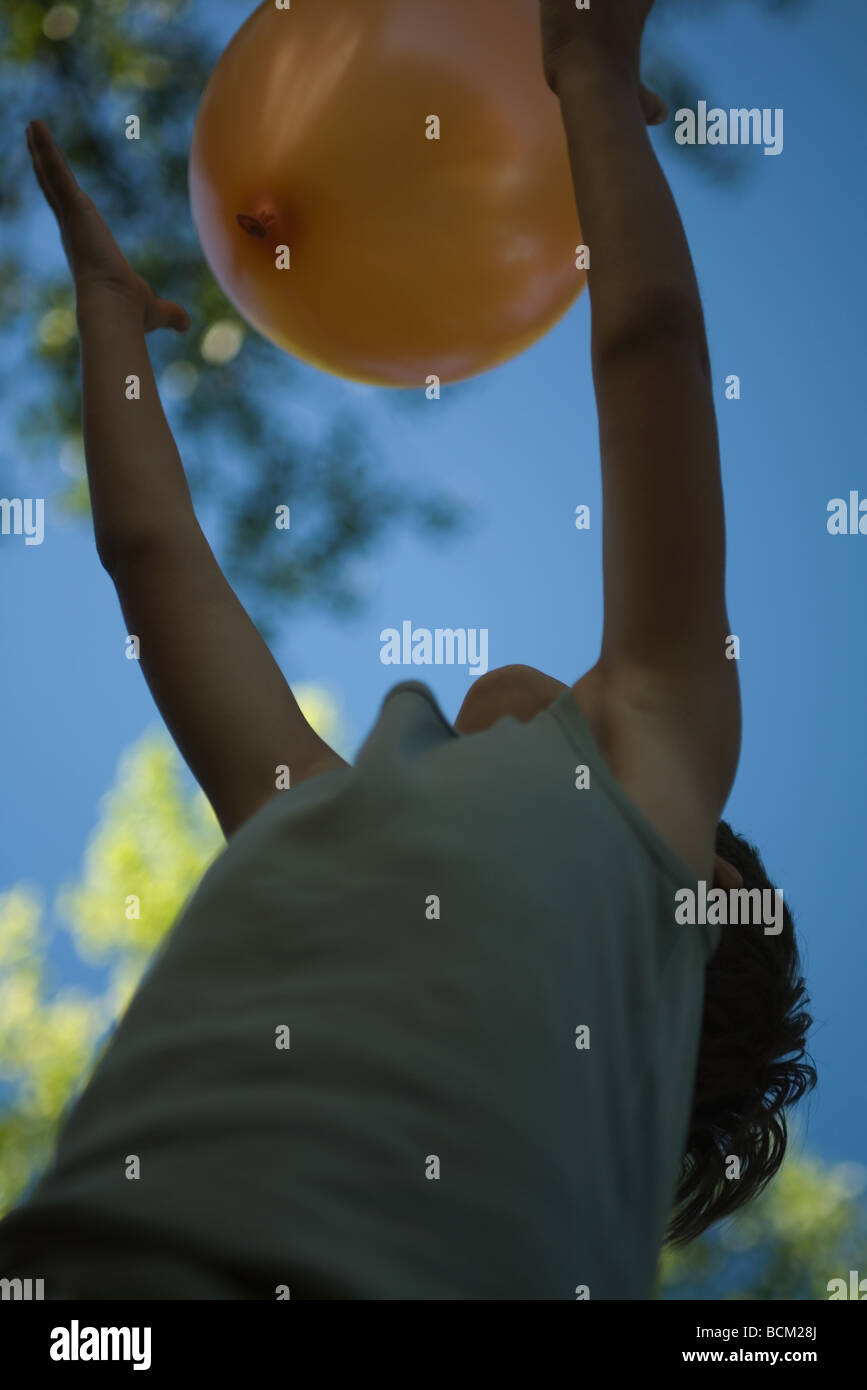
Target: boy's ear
(725,875)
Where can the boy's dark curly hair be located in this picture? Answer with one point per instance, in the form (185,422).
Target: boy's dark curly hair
(752,1060)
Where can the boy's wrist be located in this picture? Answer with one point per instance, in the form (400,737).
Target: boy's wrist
(590,77)
(101,303)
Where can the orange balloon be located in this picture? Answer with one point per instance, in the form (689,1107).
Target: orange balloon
(349,235)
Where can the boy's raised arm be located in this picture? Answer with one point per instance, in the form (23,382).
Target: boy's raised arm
(221,693)
(665,620)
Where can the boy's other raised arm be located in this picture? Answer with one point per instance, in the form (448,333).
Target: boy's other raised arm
(222,695)
(665,620)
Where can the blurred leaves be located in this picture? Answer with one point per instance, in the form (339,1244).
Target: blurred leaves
(154,839)
(46,1043)
(808,1227)
(682,83)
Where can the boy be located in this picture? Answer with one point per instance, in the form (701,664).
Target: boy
(429,1028)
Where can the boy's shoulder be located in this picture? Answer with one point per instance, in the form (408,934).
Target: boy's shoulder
(652,765)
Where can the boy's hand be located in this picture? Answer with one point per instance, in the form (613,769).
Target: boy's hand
(607,36)
(98,266)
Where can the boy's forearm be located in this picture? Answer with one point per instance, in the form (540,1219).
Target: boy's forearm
(220,691)
(641,277)
(137,484)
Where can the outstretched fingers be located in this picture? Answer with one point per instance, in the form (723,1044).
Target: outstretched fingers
(54,176)
(39,171)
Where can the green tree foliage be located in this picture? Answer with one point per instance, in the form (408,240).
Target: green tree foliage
(46,1043)
(155,836)
(807,1227)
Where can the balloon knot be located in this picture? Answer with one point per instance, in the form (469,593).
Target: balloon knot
(256,226)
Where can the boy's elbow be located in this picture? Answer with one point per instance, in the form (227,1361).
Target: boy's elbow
(117,553)
(651,325)
(143,546)
(109,551)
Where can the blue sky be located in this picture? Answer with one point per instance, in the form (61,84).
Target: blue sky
(780,263)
